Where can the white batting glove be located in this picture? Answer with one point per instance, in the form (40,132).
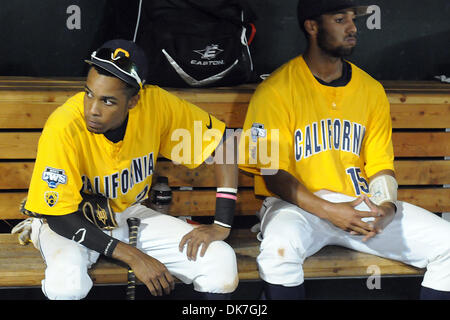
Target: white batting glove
(24,230)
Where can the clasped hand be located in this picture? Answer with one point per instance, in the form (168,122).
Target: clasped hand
(346,217)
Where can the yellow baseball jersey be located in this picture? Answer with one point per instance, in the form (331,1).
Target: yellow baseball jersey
(71,159)
(330,138)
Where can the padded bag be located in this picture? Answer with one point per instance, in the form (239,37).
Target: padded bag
(192,43)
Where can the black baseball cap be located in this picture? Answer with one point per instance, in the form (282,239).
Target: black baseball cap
(124,59)
(308,9)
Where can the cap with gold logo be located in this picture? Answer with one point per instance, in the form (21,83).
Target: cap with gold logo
(124,59)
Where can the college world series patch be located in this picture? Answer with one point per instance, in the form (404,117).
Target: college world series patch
(54,177)
(51,197)
(258,131)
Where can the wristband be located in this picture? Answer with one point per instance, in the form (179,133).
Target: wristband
(225,206)
(384,189)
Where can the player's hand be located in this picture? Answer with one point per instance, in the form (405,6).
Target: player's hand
(385,213)
(149,270)
(24,231)
(154,275)
(346,217)
(202,235)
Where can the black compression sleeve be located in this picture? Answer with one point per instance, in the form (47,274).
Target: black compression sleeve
(75,227)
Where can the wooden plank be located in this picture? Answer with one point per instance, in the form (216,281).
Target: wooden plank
(33,115)
(232,113)
(22,114)
(434,200)
(389,85)
(19,265)
(14,82)
(77,83)
(17,175)
(420,116)
(395,88)
(202,176)
(419,98)
(228,104)
(23,145)
(433,172)
(421,144)
(18,145)
(202,202)
(31,95)
(10,204)
(60,95)
(232,94)
(240,94)
(415,86)
(185,203)
(333,261)
(25,115)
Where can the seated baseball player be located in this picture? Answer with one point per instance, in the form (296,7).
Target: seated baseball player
(317,137)
(105,141)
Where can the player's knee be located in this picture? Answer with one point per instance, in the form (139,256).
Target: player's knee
(286,246)
(67,282)
(220,273)
(437,276)
(280,260)
(444,257)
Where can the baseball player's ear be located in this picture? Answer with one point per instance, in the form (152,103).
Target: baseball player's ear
(133,101)
(311,27)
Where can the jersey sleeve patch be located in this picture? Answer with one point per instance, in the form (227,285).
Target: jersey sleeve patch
(54,177)
(258,131)
(51,198)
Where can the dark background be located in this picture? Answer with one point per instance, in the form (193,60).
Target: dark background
(412,44)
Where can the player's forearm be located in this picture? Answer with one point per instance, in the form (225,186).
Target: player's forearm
(226,173)
(226,168)
(126,253)
(77,228)
(288,188)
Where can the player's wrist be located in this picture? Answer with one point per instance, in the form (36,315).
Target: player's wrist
(225,206)
(221,224)
(325,209)
(391,206)
(221,233)
(126,253)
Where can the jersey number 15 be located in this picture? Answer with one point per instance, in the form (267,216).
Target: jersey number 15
(359,183)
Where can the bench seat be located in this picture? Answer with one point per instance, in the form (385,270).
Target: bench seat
(23,266)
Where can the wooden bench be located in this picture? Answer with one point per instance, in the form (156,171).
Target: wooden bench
(420,114)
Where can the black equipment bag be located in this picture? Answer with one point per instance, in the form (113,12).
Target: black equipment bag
(197,43)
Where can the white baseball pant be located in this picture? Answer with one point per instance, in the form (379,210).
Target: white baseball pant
(289,235)
(67,262)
